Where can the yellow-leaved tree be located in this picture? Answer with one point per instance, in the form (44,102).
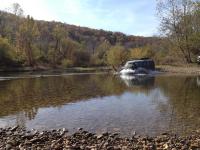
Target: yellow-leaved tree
(27,35)
(117,56)
(141,52)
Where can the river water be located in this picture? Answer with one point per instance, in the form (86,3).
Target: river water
(148,105)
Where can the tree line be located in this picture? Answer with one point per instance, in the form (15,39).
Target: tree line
(28,42)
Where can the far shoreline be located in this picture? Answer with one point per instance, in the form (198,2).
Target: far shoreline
(56,69)
(171,69)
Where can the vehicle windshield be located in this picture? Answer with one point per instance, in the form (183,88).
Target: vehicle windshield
(130,65)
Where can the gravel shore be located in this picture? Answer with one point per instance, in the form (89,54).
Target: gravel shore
(16,138)
(187,69)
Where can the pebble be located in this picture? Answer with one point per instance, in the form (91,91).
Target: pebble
(14,128)
(8,146)
(99,136)
(16,138)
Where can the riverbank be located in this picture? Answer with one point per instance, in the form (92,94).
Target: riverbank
(17,138)
(184,69)
(73,69)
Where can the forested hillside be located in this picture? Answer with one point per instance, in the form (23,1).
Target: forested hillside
(28,42)
(36,43)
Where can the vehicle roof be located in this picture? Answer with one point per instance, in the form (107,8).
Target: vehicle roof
(139,60)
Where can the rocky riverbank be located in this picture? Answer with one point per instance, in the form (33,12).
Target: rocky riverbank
(18,139)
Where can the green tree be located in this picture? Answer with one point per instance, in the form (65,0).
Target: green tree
(142,52)
(99,57)
(59,36)
(7,55)
(180,23)
(116,56)
(68,52)
(27,36)
(81,58)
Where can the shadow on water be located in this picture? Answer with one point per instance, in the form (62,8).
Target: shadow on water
(149,105)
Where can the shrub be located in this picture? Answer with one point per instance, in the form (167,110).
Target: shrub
(7,53)
(67,63)
(117,55)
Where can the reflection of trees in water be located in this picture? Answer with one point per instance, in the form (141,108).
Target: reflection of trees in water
(22,116)
(21,119)
(27,95)
(30,114)
(24,97)
(198,81)
(183,105)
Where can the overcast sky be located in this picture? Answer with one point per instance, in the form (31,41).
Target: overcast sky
(133,17)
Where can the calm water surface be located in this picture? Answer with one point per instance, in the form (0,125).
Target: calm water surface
(102,102)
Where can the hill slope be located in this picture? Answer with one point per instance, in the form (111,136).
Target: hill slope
(52,42)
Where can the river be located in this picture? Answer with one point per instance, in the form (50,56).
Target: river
(101,102)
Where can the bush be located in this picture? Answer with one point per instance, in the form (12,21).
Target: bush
(67,63)
(7,53)
(81,58)
(96,61)
(143,52)
(117,55)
